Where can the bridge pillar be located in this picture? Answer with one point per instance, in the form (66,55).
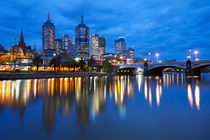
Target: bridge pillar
(188,67)
(190,71)
(145,68)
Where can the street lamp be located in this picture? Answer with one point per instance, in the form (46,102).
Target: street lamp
(157,55)
(149,56)
(190,52)
(196,53)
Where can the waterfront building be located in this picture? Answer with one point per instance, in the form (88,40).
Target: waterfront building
(66,42)
(15,50)
(130,53)
(120,47)
(48,35)
(82,40)
(58,46)
(97,46)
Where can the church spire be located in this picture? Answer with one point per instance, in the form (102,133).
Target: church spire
(21,36)
(21,43)
(34,51)
(43,54)
(48,17)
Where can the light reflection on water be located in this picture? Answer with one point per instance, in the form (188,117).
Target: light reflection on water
(88,97)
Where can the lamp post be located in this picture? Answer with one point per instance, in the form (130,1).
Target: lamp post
(196,53)
(149,56)
(157,55)
(190,53)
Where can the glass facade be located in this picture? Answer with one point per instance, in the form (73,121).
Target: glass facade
(58,46)
(120,46)
(48,35)
(97,46)
(66,42)
(82,40)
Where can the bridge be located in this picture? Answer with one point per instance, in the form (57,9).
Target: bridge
(189,67)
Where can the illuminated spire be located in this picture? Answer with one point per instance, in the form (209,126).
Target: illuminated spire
(48,18)
(81,19)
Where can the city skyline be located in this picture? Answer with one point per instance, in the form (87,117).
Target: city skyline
(153,26)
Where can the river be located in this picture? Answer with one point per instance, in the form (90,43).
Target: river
(120,107)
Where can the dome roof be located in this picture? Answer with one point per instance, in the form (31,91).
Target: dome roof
(16,49)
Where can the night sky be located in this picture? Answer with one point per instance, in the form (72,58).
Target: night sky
(170,27)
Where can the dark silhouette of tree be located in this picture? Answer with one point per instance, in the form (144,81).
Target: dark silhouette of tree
(1,48)
(91,62)
(37,60)
(106,66)
(55,62)
(82,64)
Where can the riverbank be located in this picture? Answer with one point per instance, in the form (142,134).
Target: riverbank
(15,76)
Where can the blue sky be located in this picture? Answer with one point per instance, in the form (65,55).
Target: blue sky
(170,27)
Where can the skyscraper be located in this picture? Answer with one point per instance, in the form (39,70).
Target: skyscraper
(120,46)
(102,46)
(48,35)
(82,40)
(66,42)
(130,53)
(58,46)
(97,46)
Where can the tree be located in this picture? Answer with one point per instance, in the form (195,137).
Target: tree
(55,62)
(106,66)
(37,60)
(91,62)
(82,64)
(72,63)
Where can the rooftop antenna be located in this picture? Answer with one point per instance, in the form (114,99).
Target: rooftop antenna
(48,18)
(81,19)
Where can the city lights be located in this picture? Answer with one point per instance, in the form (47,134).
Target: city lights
(157,55)
(196,53)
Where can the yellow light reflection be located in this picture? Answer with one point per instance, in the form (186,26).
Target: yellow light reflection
(150,96)
(189,94)
(197,96)
(145,88)
(157,94)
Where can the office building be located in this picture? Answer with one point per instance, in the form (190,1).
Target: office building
(82,40)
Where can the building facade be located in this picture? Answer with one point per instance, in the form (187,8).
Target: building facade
(48,35)
(120,47)
(82,40)
(58,46)
(66,42)
(72,50)
(130,53)
(97,46)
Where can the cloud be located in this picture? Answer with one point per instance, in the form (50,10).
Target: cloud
(168,27)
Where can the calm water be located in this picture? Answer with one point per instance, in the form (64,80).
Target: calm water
(120,107)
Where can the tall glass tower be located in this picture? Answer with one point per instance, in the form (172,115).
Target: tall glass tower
(48,35)
(120,46)
(82,40)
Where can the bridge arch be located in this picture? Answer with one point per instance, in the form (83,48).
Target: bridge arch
(158,70)
(200,66)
